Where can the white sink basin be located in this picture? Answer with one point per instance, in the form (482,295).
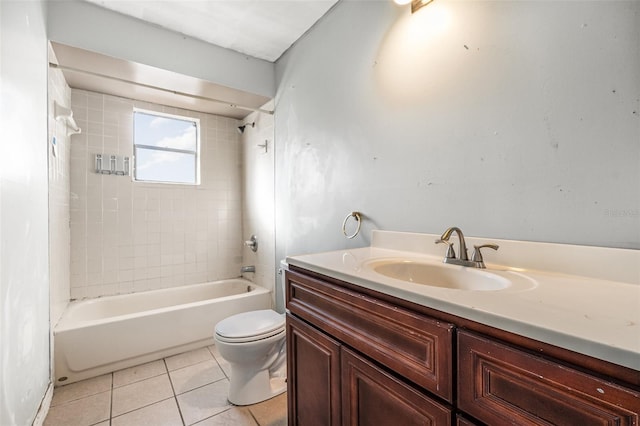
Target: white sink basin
(440,275)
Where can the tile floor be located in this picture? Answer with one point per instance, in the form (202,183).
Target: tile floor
(181,390)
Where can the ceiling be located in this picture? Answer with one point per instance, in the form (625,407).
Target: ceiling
(263,29)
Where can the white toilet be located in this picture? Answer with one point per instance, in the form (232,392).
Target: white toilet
(254,345)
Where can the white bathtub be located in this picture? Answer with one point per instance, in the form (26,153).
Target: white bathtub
(98,336)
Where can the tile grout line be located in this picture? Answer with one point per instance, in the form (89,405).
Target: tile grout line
(151,403)
(253,417)
(175,397)
(144,406)
(111,401)
(218,362)
(191,365)
(139,380)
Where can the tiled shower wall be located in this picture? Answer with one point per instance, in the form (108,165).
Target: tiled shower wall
(258,188)
(59,234)
(130,236)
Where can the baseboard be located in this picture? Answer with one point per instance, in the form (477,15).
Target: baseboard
(43,410)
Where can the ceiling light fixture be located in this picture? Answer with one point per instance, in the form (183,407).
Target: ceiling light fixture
(415,4)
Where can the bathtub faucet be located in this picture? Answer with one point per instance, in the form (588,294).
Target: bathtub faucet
(247,269)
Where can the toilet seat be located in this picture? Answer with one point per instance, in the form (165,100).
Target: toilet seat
(250,326)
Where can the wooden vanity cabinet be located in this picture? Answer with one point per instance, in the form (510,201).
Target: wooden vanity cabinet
(500,384)
(462,421)
(357,357)
(356,360)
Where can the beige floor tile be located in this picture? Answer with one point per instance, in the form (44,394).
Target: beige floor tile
(137,395)
(188,358)
(80,412)
(196,375)
(105,423)
(214,350)
(139,372)
(163,413)
(226,367)
(81,389)
(204,402)
(236,416)
(272,412)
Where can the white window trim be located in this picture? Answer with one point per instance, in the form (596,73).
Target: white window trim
(196,152)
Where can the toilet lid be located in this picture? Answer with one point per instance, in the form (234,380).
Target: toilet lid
(250,324)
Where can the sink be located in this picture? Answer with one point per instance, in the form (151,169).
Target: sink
(440,275)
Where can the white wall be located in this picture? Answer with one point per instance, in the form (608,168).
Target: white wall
(84,25)
(133,236)
(24,268)
(515,120)
(59,173)
(258,197)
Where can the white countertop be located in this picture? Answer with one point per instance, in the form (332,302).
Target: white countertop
(598,317)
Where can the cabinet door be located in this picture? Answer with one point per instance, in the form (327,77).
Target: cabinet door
(499,384)
(373,397)
(313,376)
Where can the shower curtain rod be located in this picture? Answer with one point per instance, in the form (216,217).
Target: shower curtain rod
(149,86)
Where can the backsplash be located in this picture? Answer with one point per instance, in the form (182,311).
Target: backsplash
(132,236)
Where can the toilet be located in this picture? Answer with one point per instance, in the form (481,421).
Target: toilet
(253,343)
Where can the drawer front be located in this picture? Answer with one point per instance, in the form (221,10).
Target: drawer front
(371,396)
(414,346)
(498,384)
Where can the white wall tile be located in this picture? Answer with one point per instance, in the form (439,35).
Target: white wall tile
(139,236)
(60,201)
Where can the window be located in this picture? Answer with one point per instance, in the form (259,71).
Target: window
(166,148)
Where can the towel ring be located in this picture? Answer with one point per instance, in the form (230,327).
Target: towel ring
(346,219)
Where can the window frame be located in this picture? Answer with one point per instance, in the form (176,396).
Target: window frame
(195,153)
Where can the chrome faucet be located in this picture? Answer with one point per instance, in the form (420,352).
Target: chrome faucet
(247,269)
(476,260)
(444,239)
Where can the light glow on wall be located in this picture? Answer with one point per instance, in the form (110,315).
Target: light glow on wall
(413,56)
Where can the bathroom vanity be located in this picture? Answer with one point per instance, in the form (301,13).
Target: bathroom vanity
(372,349)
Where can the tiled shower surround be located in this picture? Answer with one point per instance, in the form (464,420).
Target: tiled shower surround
(59,161)
(131,236)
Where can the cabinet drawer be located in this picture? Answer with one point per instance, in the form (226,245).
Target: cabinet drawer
(416,347)
(499,384)
(371,396)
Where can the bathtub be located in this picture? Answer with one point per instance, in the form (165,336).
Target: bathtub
(98,336)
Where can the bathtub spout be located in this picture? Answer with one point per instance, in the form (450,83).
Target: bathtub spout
(247,269)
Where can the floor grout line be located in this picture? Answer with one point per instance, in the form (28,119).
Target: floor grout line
(111,401)
(143,406)
(175,397)
(218,362)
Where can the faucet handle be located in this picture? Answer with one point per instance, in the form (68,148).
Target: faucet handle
(477,254)
(450,253)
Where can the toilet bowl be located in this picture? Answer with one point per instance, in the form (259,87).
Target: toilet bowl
(253,343)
